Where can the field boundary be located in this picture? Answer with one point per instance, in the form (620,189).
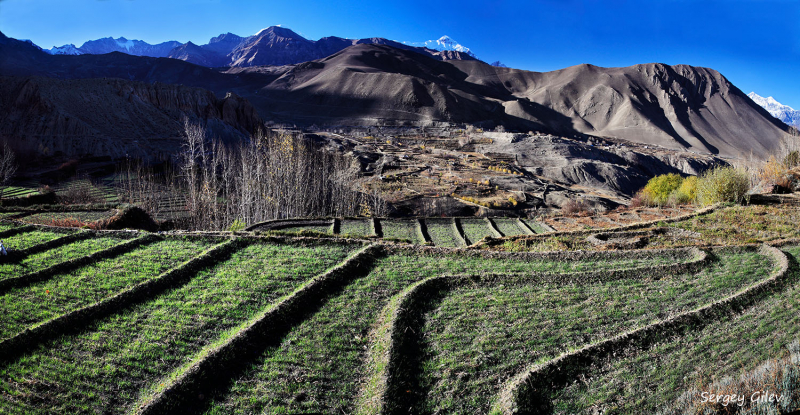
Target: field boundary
(386,389)
(526,392)
(76,319)
(421,229)
(525,228)
(75,263)
(493,228)
(219,361)
(461,238)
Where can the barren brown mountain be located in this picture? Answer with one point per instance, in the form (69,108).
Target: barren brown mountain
(675,107)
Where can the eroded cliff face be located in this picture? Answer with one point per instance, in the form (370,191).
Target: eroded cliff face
(112,117)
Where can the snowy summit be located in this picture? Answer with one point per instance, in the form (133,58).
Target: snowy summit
(782,112)
(446,43)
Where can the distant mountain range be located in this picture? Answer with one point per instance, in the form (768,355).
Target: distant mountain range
(274,45)
(367,83)
(785,113)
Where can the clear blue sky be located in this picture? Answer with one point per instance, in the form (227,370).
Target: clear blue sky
(755,43)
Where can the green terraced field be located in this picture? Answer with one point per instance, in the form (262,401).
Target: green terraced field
(26,306)
(498,330)
(356,227)
(31,238)
(509,227)
(475,229)
(400,229)
(18,191)
(728,347)
(442,233)
(323,333)
(535,226)
(322,359)
(138,348)
(51,257)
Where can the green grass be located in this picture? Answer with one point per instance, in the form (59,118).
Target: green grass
(477,338)
(508,227)
(4,226)
(535,225)
(644,381)
(475,229)
(28,239)
(400,229)
(319,364)
(51,257)
(23,307)
(442,232)
(356,227)
(135,350)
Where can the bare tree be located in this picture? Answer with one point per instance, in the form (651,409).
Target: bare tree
(8,166)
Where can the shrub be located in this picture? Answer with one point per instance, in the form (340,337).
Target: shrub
(774,172)
(237,225)
(638,200)
(792,160)
(575,207)
(686,192)
(659,188)
(723,184)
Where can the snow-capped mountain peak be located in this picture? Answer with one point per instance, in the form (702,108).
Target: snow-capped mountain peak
(782,112)
(447,43)
(69,49)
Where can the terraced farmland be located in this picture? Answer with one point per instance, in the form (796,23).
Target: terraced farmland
(125,322)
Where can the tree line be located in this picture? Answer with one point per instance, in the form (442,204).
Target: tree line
(273,175)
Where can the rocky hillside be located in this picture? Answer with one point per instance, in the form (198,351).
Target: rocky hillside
(114,117)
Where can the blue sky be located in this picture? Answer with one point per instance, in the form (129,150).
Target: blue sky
(755,43)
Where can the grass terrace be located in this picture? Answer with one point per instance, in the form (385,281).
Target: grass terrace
(401,229)
(359,227)
(52,257)
(28,239)
(476,229)
(319,365)
(443,233)
(509,227)
(643,381)
(477,337)
(536,226)
(135,350)
(24,307)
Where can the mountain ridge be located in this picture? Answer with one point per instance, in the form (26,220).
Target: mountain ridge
(274,45)
(676,107)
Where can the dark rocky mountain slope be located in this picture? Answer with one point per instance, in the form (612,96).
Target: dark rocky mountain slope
(675,107)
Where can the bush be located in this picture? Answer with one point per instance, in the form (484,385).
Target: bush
(774,173)
(687,192)
(237,225)
(792,160)
(659,189)
(575,207)
(723,184)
